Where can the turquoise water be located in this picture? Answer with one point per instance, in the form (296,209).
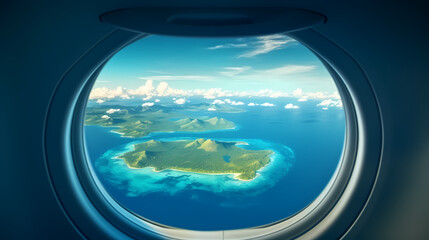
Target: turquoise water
(140,182)
(307,142)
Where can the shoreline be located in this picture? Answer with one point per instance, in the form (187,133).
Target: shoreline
(239,142)
(177,170)
(167,132)
(271,161)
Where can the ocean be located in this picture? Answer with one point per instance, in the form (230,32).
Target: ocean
(307,142)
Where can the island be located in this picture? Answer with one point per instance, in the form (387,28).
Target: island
(198,156)
(141,121)
(212,107)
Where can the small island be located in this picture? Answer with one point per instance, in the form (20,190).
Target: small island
(201,107)
(198,156)
(139,122)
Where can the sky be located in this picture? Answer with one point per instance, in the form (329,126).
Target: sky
(270,66)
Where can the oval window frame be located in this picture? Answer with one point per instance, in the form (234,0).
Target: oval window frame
(96,215)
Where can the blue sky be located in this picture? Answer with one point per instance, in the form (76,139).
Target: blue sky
(273,62)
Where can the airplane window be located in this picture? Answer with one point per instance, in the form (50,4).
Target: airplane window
(214,133)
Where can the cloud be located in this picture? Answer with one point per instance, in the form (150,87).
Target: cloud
(229,45)
(162,87)
(291,106)
(289,69)
(146,89)
(157,100)
(105,117)
(294,73)
(208,96)
(148,104)
(263,104)
(266,44)
(150,91)
(110,111)
(100,101)
(180,101)
(232,71)
(179,77)
(331,103)
(278,94)
(267,105)
(302,99)
(237,103)
(104,92)
(213,93)
(336,95)
(125,96)
(325,108)
(297,92)
(217,101)
(177,92)
(211,109)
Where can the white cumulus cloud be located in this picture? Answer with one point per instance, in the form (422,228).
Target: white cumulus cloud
(211,109)
(148,104)
(149,91)
(110,111)
(157,100)
(213,93)
(291,106)
(104,92)
(302,99)
(180,101)
(251,104)
(237,103)
(331,103)
(146,89)
(105,117)
(100,101)
(267,104)
(162,87)
(125,96)
(297,92)
(217,101)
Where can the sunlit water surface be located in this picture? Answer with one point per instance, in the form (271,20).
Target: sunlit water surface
(307,142)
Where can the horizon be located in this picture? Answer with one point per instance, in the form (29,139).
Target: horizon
(273,66)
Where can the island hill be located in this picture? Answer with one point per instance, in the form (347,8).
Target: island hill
(139,122)
(198,156)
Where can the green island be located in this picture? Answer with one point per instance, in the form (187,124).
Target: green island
(198,156)
(205,106)
(139,122)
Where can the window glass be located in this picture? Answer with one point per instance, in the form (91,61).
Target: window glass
(214,133)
